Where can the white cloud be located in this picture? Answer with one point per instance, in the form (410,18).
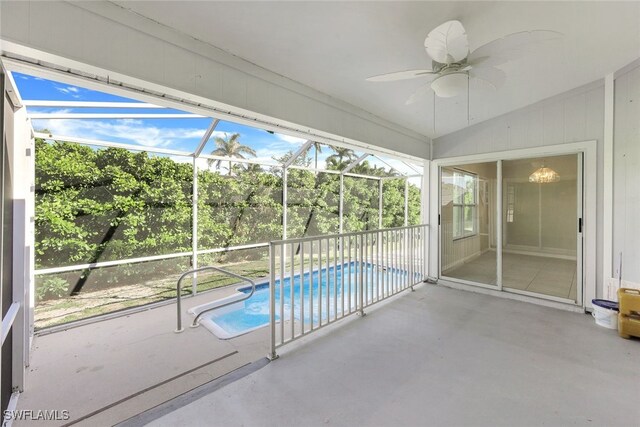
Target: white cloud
(129,130)
(69,90)
(290,139)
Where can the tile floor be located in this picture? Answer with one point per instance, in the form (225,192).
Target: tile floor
(543,275)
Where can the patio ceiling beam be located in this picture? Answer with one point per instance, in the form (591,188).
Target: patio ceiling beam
(65,116)
(355,163)
(206,137)
(91,104)
(297,154)
(99,143)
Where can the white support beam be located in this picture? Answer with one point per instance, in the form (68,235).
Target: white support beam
(388,178)
(239,160)
(355,163)
(99,143)
(607,217)
(112,116)
(425,215)
(206,137)
(357,175)
(410,166)
(310,169)
(91,104)
(390,167)
(21,160)
(297,154)
(194,220)
(499,231)
(9,318)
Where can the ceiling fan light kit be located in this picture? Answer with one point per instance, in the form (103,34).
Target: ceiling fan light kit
(450,85)
(454,64)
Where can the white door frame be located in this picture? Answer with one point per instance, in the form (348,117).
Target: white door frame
(589,185)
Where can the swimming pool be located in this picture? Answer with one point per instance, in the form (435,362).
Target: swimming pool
(246,316)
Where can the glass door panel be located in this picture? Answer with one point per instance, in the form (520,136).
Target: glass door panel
(467,221)
(540,229)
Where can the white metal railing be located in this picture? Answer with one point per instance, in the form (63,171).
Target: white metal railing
(198,270)
(315,281)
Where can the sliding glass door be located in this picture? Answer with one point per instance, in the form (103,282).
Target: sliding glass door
(540,226)
(467,215)
(514,225)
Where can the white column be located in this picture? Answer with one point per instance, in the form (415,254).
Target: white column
(499,226)
(20,153)
(607,205)
(425,213)
(434,216)
(194,228)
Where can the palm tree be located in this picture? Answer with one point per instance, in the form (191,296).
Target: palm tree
(252,168)
(230,146)
(337,159)
(318,148)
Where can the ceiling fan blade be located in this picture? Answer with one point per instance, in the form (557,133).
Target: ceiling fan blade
(419,94)
(493,76)
(400,75)
(476,62)
(447,43)
(511,47)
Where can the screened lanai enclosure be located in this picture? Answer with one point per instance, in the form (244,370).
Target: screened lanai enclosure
(130,195)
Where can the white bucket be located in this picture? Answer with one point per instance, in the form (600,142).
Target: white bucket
(605,317)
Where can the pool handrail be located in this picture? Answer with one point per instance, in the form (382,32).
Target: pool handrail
(197,270)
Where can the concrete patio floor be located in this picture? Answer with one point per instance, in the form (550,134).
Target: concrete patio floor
(108,371)
(437,356)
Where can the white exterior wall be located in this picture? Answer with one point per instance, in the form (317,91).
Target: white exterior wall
(115,42)
(626,173)
(574,116)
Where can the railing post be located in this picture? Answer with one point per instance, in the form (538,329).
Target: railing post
(272,300)
(179,305)
(360,276)
(411,258)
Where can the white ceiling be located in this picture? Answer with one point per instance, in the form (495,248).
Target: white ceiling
(334,46)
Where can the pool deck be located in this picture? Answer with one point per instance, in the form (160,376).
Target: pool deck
(108,371)
(437,356)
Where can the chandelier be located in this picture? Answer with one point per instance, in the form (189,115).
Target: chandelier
(544,175)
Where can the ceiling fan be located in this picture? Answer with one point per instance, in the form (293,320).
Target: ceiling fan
(453,64)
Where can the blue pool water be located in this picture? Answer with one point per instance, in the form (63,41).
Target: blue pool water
(254,312)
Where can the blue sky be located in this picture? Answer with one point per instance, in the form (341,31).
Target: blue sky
(178,134)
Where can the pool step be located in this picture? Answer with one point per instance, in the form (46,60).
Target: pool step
(163,392)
